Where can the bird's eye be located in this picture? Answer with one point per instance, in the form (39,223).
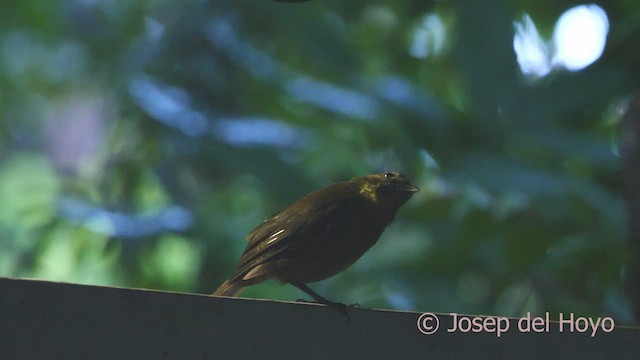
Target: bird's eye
(389,175)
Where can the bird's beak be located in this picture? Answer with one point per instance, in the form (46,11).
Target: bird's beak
(408,188)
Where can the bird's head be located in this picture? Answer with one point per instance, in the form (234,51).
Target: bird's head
(390,188)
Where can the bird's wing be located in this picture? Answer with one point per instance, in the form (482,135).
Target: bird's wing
(277,234)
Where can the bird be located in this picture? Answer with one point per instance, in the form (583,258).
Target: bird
(320,235)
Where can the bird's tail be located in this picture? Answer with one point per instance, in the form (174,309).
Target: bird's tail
(228,289)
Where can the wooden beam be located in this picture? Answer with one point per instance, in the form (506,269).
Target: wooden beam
(47,320)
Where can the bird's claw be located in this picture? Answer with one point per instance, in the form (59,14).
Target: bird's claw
(340,307)
(336,305)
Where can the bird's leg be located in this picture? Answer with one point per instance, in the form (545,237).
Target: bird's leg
(318,298)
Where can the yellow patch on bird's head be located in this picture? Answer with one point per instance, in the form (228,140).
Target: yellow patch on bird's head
(391,187)
(368,189)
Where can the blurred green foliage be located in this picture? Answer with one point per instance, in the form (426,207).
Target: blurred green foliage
(141,141)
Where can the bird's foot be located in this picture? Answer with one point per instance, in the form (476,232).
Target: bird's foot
(352,306)
(336,305)
(340,307)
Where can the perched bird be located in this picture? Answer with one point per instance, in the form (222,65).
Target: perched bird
(321,234)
